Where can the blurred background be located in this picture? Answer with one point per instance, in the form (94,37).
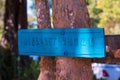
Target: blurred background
(103,14)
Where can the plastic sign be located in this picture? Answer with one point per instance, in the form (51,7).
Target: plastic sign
(76,42)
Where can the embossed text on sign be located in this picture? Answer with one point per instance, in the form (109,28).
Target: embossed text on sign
(77,42)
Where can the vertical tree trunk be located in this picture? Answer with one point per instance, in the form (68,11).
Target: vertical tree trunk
(22,24)
(22,15)
(47,64)
(15,18)
(72,14)
(10,22)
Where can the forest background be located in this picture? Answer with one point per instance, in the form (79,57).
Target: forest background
(103,14)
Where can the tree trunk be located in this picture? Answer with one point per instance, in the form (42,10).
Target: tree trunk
(72,14)
(10,22)
(47,64)
(22,15)
(15,18)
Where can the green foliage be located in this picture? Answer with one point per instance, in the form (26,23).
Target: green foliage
(6,65)
(11,70)
(110,17)
(93,12)
(30,72)
(2,3)
(105,14)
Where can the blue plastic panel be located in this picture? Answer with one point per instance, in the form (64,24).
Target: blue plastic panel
(76,42)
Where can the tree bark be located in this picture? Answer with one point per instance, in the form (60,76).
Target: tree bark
(10,23)
(47,64)
(22,15)
(71,14)
(43,16)
(15,18)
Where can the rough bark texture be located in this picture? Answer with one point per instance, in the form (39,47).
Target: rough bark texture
(112,50)
(43,16)
(72,14)
(47,64)
(47,68)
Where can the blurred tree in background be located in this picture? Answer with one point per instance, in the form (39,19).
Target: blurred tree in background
(13,66)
